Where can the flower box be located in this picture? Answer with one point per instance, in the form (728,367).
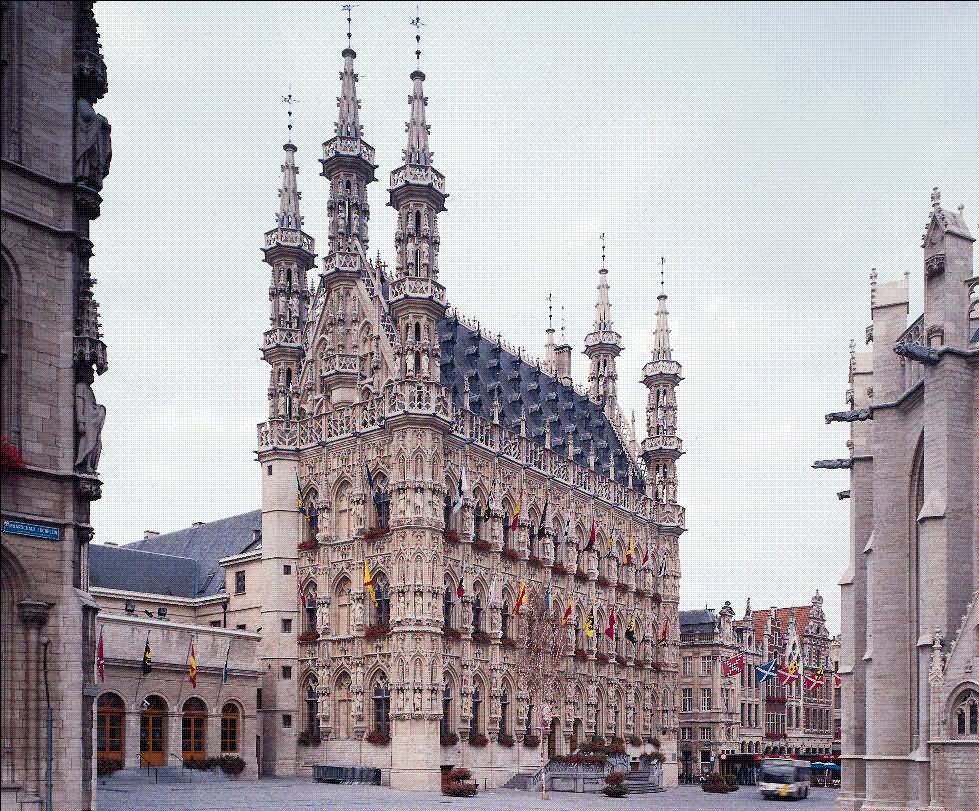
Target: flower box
(602,657)
(620,659)
(308,636)
(378,738)
(603,581)
(306,546)
(531,741)
(559,568)
(656,666)
(481,637)
(580,654)
(508,643)
(308,738)
(511,554)
(449,740)
(656,597)
(641,593)
(376,631)
(535,562)
(482,546)
(452,535)
(622,588)
(775,699)
(478,740)
(505,740)
(451,633)
(635,740)
(376,532)
(578,759)
(581,577)
(458,783)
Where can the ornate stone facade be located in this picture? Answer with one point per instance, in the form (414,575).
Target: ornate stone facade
(451,471)
(55,155)
(908,594)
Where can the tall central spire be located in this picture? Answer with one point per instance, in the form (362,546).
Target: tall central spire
(288,216)
(661,340)
(602,346)
(348,163)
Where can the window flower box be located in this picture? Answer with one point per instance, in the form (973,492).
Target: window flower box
(602,657)
(449,740)
(452,535)
(306,546)
(481,637)
(376,532)
(642,593)
(531,741)
(603,581)
(511,554)
(377,631)
(308,738)
(656,666)
(451,633)
(535,562)
(482,546)
(581,577)
(656,597)
(559,568)
(580,654)
(635,740)
(478,740)
(620,659)
(622,588)
(775,699)
(505,740)
(308,636)
(378,738)
(508,643)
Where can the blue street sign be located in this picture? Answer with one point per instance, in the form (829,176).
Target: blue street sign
(31,530)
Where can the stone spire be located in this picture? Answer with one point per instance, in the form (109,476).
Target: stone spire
(289,196)
(549,353)
(602,346)
(348,163)
(662,447)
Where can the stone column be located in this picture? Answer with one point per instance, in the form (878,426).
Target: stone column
(131,741)
(34,615)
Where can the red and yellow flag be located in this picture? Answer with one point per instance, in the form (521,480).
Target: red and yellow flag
(664,637)
(369,583)
(192,666)
(610,628)
(629,552)
(516,517)
(568,612)
(521,598)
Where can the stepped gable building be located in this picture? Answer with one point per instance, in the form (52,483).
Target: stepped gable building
(383,403)
(910,638)
(725,720)
(54,152)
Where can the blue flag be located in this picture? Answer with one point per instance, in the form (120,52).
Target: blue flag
(370,482)
(547,599)
(225,674)
(766,671)
(300,503)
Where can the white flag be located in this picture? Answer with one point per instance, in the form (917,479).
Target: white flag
(463,487)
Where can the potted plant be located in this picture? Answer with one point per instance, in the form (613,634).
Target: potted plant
(481,637)
(615,785)
(716,784)
(306,546)
(378,738)
(308,737)
(531,741)
(581,576)
(308,636)
(376,631)
(452,535)
(479,740)
(482,546)
(231,764)
(603,580)
(508,643)
(451,633)
(559,568)
(511,554)
(449,740)
(458,782)
(505,740)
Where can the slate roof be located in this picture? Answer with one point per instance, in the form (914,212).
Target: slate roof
(490,369)
(182,563)
(700,620)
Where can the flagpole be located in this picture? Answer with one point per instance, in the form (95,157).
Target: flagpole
(139,681)
(180,692)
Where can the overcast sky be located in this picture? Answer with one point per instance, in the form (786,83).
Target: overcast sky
(772,153)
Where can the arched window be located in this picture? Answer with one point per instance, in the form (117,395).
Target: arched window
(341,707)
(447,510)
(475,721)
(445,724)
(382,591)
(382,707)
(505,619)
(447,604)
(312,515)
(382,502)
(193,730)
(309,613)
(532,539)
(418,223)
(966,713)
(312,725)
(111,728)
(507,523)
(341,608)
(478,520)
(477,613)
(230,727)
(341,507)
(505,713)
(153,732)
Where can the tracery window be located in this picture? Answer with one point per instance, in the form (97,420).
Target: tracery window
(382,707)
(966,715)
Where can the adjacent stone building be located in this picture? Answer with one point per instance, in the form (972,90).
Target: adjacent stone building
(54,153)
(436,460)
(910,637)
(726,720)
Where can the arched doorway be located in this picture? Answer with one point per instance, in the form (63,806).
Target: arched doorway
(111,728)
(552,738)
(153,732)
(576,729)
(193,730)
(230,728)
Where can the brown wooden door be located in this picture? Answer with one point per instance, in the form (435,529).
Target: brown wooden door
(152,738)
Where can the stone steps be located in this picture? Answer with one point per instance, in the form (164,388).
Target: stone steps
(521,781)
(638,783)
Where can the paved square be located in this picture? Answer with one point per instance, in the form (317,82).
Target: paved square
(305,795)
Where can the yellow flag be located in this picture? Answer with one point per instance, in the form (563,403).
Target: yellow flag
(369,583)
(590,622)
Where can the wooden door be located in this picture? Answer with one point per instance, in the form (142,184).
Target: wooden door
(152,737)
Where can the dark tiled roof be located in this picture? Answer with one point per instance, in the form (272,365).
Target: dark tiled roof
(701,620)
(149,565)
(119,567)
(491,369)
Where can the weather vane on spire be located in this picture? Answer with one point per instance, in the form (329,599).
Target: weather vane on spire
(289,101)
(348,7)
(662,274)
(417,23)
(602,238)
(550,312)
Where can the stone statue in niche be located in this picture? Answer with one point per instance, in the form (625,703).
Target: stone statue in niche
(89,419)
(93,145)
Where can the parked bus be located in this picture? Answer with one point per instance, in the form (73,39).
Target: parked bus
(783,777)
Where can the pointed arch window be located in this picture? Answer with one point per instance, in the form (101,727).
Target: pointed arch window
(445,724)
(341,608)
(475,721)
(418,223)
(230,727)
(505,713)
(312,710)
(478,521)
(342,509)
(382,591)
(477,614)
(505,620)
(309,612)
(447,604)
(382,707)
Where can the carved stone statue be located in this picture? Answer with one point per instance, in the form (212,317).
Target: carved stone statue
(93,145)
(89,419)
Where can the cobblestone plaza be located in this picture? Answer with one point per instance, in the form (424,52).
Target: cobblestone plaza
(304,795)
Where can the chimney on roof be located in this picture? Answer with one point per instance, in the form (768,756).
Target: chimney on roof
(198,524)
(562,363)
(149,533)
(256,535)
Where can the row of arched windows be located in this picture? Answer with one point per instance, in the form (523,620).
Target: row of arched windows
(153,720)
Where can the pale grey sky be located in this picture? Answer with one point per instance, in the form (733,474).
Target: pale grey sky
(772,153)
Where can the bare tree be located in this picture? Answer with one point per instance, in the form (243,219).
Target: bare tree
(542,662)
